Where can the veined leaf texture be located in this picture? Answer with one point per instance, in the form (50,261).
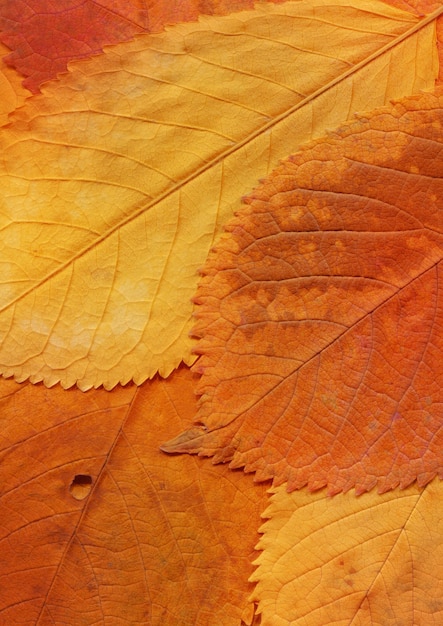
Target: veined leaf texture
(117,180)
(372,560)
(97,526)
(321,313)
(44,36)
(318,314)
(12,91)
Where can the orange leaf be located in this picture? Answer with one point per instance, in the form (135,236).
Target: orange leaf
(321,313)
(12,94)
(415,6)
(120,533)
(97,524)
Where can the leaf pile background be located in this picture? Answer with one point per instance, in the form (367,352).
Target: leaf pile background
(105,155)
(315,327)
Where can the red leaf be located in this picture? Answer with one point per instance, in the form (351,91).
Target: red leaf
(44,36)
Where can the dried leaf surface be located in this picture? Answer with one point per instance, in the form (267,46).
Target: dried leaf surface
(12,93)
(321,313)
(415,6)
(116,181)
(118,531)
(374,560)
(423,7)
(44,36)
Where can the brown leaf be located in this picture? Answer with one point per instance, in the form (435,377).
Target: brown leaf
(321,313)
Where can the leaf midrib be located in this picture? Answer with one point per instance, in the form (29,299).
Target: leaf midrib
(226,153)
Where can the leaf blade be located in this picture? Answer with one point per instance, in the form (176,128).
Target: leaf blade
(148,539)
(321,314)
(367,560)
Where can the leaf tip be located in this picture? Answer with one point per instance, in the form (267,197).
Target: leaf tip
(186,442)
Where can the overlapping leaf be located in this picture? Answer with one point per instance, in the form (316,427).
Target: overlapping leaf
(116,181)
(45,36)
(12,94)
(375,560)
(98,525)
(119,532)
(321,313)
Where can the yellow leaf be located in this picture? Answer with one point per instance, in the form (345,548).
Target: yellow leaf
(375,560)
(116,180)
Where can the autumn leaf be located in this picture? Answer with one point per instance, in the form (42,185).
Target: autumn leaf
(115,183)
(12,92)
(117,180)
(422,7)
(44,36)
(321,314)
(415,6)
(345,560)
(118,530)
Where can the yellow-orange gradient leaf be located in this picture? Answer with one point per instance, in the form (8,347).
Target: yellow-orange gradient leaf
(12,93)
(44,36)
(117,179)
(97,526)
(375,560)
(321,313)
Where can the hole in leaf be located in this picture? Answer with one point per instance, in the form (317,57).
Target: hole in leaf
(80,486)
